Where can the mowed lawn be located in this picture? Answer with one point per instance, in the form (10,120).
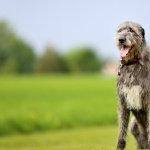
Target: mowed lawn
(37,103)
(58,112)
(93,138)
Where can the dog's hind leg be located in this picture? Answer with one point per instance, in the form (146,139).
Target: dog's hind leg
(139,134)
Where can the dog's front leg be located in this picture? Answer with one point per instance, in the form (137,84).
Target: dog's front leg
(148,124)
(123,113)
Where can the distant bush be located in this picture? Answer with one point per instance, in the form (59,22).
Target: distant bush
(50,62)
(82,60)
(16,55)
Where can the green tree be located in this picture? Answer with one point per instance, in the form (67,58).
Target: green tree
(82,60)
(16,55)
(50,62)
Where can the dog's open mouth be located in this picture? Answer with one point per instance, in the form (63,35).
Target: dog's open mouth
(124,51)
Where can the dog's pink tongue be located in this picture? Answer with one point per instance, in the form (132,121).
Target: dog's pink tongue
(124,51)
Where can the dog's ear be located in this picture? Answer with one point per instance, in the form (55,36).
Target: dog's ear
(143,32)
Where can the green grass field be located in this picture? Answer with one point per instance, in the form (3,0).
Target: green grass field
(58,112)
(36,103)
(92,138)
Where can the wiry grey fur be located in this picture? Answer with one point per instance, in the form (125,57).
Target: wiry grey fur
(133,87)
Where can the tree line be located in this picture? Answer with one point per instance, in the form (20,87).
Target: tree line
(18,56)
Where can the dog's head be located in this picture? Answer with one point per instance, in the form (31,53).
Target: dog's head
(130,39)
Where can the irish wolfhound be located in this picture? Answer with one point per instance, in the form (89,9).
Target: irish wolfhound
(133,85)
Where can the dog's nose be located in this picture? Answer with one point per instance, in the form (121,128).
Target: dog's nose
(122,39)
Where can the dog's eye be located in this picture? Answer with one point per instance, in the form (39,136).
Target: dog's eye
(119,30)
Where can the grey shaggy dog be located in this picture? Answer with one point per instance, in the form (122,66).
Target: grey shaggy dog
(133,85)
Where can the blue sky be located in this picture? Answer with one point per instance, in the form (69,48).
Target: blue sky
(68,23)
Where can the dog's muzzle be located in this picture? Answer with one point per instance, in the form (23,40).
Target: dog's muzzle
(122,40)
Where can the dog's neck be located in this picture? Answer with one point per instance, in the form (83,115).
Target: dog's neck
(127,63)
(130,62)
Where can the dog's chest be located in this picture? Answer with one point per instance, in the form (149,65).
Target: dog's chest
(130,89)
(132,96)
